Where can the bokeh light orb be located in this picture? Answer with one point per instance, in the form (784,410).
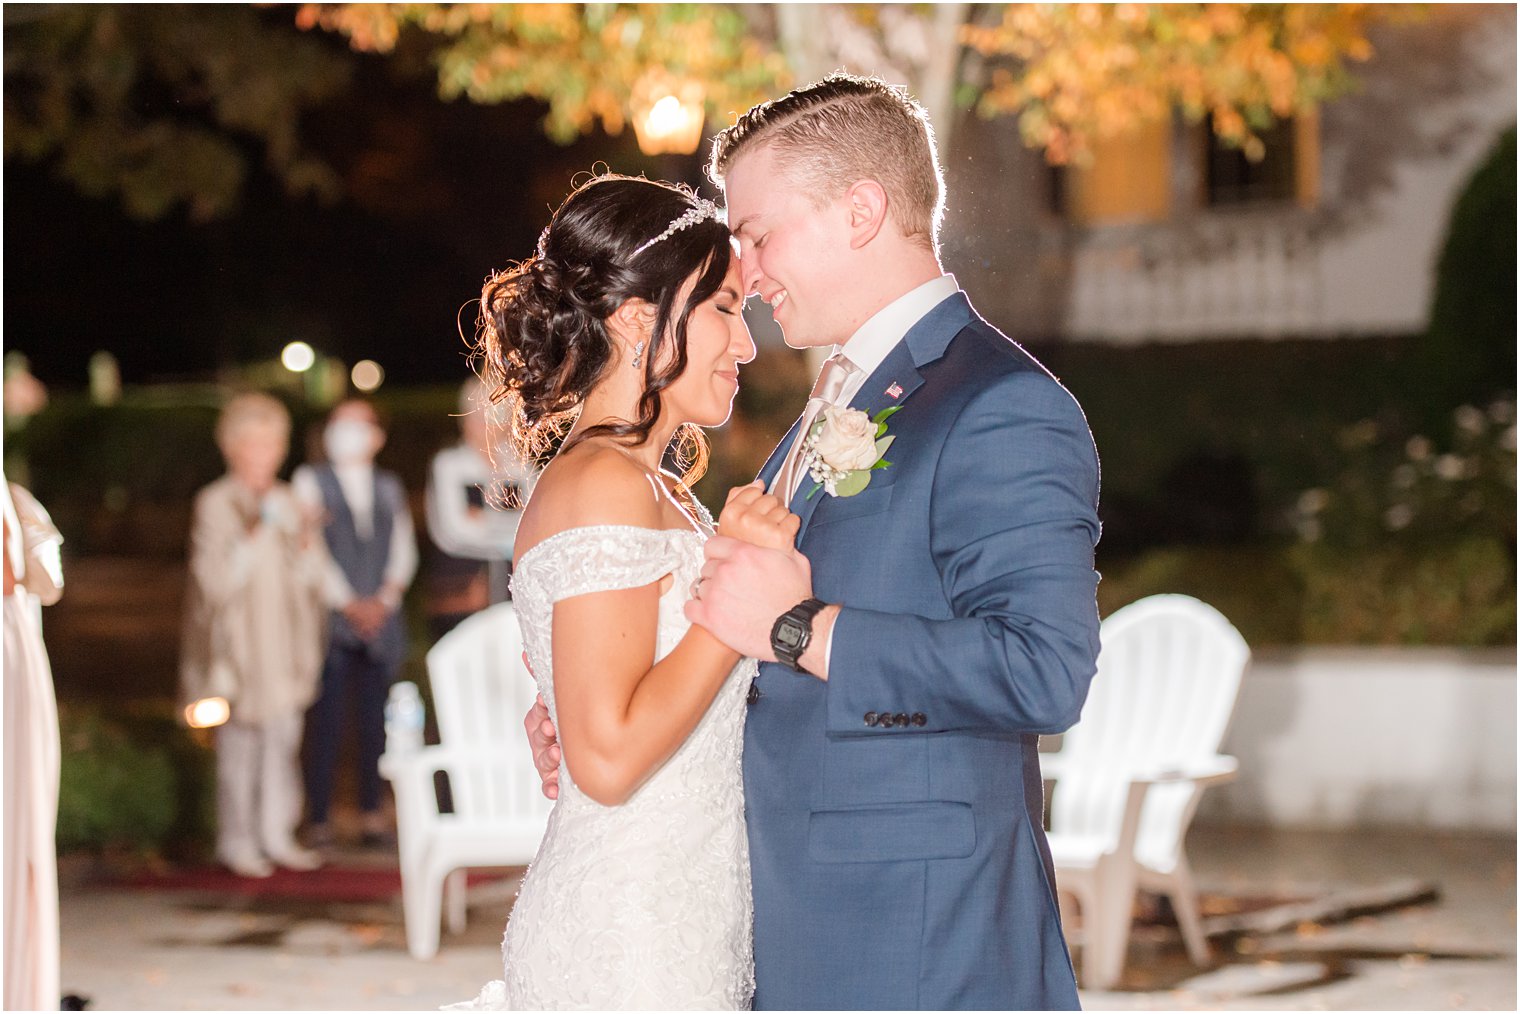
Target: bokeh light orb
(367,375)
(668,113)
(667,116)
(298,357)
(207,713)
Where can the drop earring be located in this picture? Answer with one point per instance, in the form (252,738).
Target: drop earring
(638,355)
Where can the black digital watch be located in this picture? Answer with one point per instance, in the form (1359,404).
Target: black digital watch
(793,632)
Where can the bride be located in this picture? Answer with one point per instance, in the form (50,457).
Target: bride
(629,320)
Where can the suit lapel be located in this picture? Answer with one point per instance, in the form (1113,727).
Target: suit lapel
(894,380)
(898,375)
(773,463)
(889,384)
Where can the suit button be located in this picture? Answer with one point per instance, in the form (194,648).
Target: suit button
(754,693)
(901,720)
(919,719)
(870,718)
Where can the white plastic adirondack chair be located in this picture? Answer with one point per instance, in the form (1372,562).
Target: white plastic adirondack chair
(1129,775)
(481,690)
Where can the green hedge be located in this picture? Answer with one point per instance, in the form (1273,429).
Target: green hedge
(1206,443)
(138,783)
(1458,593)
(1207,453)
(1210,443)
(1471,338)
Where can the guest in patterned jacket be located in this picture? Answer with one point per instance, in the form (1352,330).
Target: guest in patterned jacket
(252,638)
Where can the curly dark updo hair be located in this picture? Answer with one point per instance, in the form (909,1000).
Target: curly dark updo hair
(543,334)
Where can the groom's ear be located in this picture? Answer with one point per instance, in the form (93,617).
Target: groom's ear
(866,203)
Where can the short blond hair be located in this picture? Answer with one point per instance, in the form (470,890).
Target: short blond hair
(841,130)
(249,411)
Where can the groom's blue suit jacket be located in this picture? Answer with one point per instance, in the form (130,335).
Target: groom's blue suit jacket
(902,862)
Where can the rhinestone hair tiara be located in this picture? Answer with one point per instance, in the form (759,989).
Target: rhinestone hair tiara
(701,212)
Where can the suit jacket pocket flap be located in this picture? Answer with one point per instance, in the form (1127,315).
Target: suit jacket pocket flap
(899,832)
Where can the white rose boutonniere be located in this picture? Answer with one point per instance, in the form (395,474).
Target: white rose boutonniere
(844,447)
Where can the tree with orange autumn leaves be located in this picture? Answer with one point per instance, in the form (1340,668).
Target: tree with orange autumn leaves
(589,63)
(1084,72)
(171,108)
(1072,74)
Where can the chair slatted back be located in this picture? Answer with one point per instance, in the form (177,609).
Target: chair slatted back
(482,690)
(1168,676)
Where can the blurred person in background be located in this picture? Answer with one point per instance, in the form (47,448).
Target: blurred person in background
(253,635)
(372,548)
(475,494)
(33,579)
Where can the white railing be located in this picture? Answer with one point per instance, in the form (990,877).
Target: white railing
(1242,273)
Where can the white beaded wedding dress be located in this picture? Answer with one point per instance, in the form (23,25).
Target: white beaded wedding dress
(644,905)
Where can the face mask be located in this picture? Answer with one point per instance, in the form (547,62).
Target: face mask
(349,442)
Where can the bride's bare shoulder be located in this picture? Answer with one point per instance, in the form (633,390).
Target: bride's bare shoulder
(589,485)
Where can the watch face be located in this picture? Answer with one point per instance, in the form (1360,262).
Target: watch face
(789,635)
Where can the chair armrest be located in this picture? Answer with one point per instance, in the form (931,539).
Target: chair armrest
(1204,772)
(423,761)
(410,773)
(1207,771)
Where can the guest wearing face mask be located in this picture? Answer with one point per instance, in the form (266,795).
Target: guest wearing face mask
(367,526)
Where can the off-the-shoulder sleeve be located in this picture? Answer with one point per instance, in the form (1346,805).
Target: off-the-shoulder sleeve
(43,569)
(580,561)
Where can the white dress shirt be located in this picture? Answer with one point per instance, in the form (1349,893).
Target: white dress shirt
(457,527)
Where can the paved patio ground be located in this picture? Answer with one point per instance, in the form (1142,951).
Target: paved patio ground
(334,940)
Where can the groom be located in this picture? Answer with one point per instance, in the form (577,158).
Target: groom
(933,625)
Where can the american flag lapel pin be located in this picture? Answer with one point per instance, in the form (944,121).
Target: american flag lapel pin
(895,391)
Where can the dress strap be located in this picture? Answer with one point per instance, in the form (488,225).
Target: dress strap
(663,490)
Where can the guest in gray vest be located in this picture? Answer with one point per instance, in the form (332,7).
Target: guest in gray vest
(368,529)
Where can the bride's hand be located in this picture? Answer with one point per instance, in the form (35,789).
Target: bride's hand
(543,740)
(755,516)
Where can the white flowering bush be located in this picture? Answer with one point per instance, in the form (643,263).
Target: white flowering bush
(1414,541)
(1406,487)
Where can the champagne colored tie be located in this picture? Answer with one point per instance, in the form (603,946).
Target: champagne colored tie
(836,372)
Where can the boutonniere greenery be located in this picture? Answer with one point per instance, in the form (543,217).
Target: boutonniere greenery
(844,447)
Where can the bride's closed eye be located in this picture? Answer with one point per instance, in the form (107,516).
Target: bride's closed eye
(726,300)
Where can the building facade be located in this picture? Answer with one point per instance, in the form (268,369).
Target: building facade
(1169,236)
